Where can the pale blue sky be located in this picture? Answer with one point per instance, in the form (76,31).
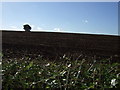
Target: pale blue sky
(78,17)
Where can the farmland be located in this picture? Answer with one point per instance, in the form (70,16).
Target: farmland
(59,43)
(60,60)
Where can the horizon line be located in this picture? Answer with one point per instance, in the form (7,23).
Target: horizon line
(64,32)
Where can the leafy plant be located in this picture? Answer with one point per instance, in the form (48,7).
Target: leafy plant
(67,74)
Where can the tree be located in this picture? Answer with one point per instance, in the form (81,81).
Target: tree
(27,27)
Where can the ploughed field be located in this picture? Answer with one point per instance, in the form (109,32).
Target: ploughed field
(53,44)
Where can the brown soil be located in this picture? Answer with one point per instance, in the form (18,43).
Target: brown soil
(52,44)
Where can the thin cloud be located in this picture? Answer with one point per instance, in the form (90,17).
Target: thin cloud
(57,29)
(33,26)
(85,21)
(13,27)
(60,30)
(39,28)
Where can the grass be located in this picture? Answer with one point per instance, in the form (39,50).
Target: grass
(62,74)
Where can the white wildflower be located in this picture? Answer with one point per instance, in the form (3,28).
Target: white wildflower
(33,83)
(46,80)
(16,73)
(64,79)
(47,64)
(72,82)
(64,56)
(118,75)
(78,71)
(64,72)
(69,65)
(54,81)
(39,72)
(2,70)
(113,82)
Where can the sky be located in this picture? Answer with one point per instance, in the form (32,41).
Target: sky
(74,17)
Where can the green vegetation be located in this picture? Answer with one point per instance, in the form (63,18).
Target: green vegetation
(62,74)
